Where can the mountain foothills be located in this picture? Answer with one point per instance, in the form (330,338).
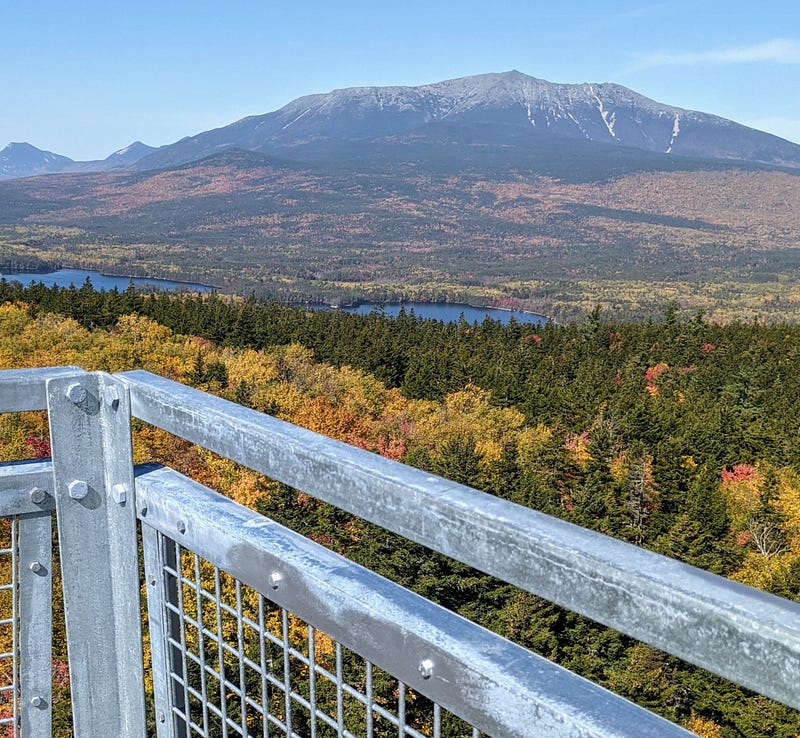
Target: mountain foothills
(499,189)
(679,436)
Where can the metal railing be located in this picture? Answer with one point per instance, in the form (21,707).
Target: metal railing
(254,630)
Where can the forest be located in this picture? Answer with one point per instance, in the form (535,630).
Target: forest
(677,434)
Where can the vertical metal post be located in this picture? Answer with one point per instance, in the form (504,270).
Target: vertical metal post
(93,475)
(35,623)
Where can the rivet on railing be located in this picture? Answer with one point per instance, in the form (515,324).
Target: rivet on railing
(275,579)
(426,668)
(181,526)
(76,393)
(37,495)
(162,718)
(36,567)
(78,489)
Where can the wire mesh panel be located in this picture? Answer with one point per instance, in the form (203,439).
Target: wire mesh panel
(240,665)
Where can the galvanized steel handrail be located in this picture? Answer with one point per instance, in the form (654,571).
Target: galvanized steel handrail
(501,688)
(745,635)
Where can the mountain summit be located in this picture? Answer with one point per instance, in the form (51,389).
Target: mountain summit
(510,104)
(24,160)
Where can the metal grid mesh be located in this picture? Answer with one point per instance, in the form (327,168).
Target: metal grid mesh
(9,629)
(242,666)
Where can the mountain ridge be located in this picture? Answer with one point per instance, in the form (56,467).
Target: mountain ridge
(23,159)
(509,101)
(360,121)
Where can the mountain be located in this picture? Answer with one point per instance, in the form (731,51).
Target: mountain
(24,160)
(495,108)
(129,155)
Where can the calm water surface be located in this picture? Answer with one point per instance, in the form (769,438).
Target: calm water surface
(66,277)
(445,312)
(449,312)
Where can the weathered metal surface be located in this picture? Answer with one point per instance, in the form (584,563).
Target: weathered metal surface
(158,623)
(740,633)
(97,539)
(24,389)
(497,686)
(35,623)
(22,483)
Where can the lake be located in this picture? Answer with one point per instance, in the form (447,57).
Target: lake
(448,312)
(444,311)
(66,277)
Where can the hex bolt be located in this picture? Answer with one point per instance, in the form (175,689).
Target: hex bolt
(76,393)
(120,493)
(78,489)
(152,581)
(162,718)
(38,702)
(36,567)
(181,526)
(426,668)
(111,396)
(37,495)
(275,579)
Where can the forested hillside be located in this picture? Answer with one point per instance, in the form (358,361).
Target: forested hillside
(677,435)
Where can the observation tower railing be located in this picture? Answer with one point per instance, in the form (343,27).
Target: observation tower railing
(189,615)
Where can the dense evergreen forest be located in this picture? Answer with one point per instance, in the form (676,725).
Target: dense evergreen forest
(679,435)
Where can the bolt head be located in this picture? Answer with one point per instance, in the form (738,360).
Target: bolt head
(76,393)
(275,579)
(181,526)
(120,493)
(36,567)
(78,489)
(37,495)
(38,702)
(426,668)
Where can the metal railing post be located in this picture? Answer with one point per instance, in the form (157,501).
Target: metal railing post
(93,484)
(35,623)
(164,628)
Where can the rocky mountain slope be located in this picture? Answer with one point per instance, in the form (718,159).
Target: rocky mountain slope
(495,107)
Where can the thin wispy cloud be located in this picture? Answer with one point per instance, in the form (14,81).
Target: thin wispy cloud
(776,51)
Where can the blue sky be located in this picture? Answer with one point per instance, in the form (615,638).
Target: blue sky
(86,78)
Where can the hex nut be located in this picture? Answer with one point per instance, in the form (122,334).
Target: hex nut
(426,668)
(38,702)
(275,579)
(111,396)
(181,526)
(36,567)
(120,493)
(78,489)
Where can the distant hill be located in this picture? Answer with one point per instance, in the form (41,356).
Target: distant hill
(499,108)
(24,160)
